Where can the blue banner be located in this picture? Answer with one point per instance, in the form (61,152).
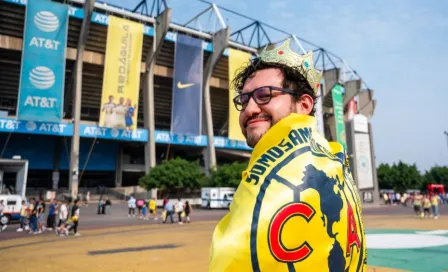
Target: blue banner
(41,92)
(187,86)
(31,127)
(103,19)
(94,131)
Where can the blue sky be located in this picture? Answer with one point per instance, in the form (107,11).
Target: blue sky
(398,47)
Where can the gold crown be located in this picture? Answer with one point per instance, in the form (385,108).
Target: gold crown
(302,63)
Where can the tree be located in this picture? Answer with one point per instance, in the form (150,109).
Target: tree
(399,177)
(384,173)
(173,176)
(407,177)
(436,175)
(227,175)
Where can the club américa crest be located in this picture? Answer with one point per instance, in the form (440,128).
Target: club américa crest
(319,213)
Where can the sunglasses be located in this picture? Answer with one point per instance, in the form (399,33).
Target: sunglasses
(261,96)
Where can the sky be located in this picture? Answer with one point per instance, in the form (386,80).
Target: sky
(399,48)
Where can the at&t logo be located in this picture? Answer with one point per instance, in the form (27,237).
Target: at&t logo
(46,21)
(42,77)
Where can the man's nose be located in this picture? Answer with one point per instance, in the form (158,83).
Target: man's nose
(252,108)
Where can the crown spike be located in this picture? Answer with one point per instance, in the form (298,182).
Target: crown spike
(283,54)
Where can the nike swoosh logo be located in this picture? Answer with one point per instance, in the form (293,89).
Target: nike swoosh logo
(183,86)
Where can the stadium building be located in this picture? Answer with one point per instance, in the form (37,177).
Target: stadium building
(118,157)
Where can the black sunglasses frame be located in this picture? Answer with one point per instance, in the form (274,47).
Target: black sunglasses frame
(240,107)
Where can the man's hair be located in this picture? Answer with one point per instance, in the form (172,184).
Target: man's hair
(293,79)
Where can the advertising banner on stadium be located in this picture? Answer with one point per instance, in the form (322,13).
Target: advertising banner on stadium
(237,59)
(364,173)
(42,77)
(121,81)
(187,86)
(338,106)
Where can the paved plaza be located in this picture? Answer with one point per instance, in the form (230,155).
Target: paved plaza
(119,243)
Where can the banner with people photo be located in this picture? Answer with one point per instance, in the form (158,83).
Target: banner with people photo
(187,86)
(42,77)
(338,106)
(237,59)
(121,81)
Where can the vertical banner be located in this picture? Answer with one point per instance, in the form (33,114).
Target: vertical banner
(338,107)
(237,59)
(364,173)
(186,112)
(121,81)
(42,77)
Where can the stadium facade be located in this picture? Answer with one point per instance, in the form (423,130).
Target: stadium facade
(119,157)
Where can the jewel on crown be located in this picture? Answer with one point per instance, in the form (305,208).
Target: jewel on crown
(303,63)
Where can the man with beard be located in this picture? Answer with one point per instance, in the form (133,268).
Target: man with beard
(296,208)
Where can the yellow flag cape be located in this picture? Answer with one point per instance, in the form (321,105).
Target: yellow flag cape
(296,208)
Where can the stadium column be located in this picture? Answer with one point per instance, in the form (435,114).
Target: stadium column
(74,153)
(56,162)
(119,167)
(376,193)
(161,29)
(220,43)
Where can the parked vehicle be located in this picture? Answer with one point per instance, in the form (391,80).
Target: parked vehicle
(217,197)
(13,204)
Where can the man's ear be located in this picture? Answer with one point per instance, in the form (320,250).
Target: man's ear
(305,104)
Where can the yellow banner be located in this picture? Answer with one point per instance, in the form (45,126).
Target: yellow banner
(121,81)
(296,208)
(237,59)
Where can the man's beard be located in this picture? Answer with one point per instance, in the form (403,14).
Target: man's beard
(253,139)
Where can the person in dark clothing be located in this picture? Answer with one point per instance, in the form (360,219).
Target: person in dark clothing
(51,219)
(188,210)
(33,216)
(103,207)
(75,212)
(100,205)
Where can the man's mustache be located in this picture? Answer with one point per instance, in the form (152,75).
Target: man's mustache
(262,116)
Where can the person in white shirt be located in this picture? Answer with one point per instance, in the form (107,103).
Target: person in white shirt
(180,210)
(131,206)
(63,213)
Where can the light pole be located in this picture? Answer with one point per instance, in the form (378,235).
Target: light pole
(446,134)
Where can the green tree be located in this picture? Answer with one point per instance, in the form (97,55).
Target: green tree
(407,177)
(399,177)
(173,176)
(227,175)
(384,173)
(436,175)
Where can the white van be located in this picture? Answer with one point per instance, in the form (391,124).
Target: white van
(13,204)
(217,198)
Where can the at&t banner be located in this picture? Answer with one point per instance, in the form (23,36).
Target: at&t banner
(338,107)
(237,59)
(121,82)
(41,92)
(187,86)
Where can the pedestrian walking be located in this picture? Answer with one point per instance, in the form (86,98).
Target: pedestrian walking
(108,205)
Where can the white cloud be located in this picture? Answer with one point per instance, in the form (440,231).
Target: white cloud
(278,4)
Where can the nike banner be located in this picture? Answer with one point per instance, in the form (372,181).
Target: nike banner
(187,86)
